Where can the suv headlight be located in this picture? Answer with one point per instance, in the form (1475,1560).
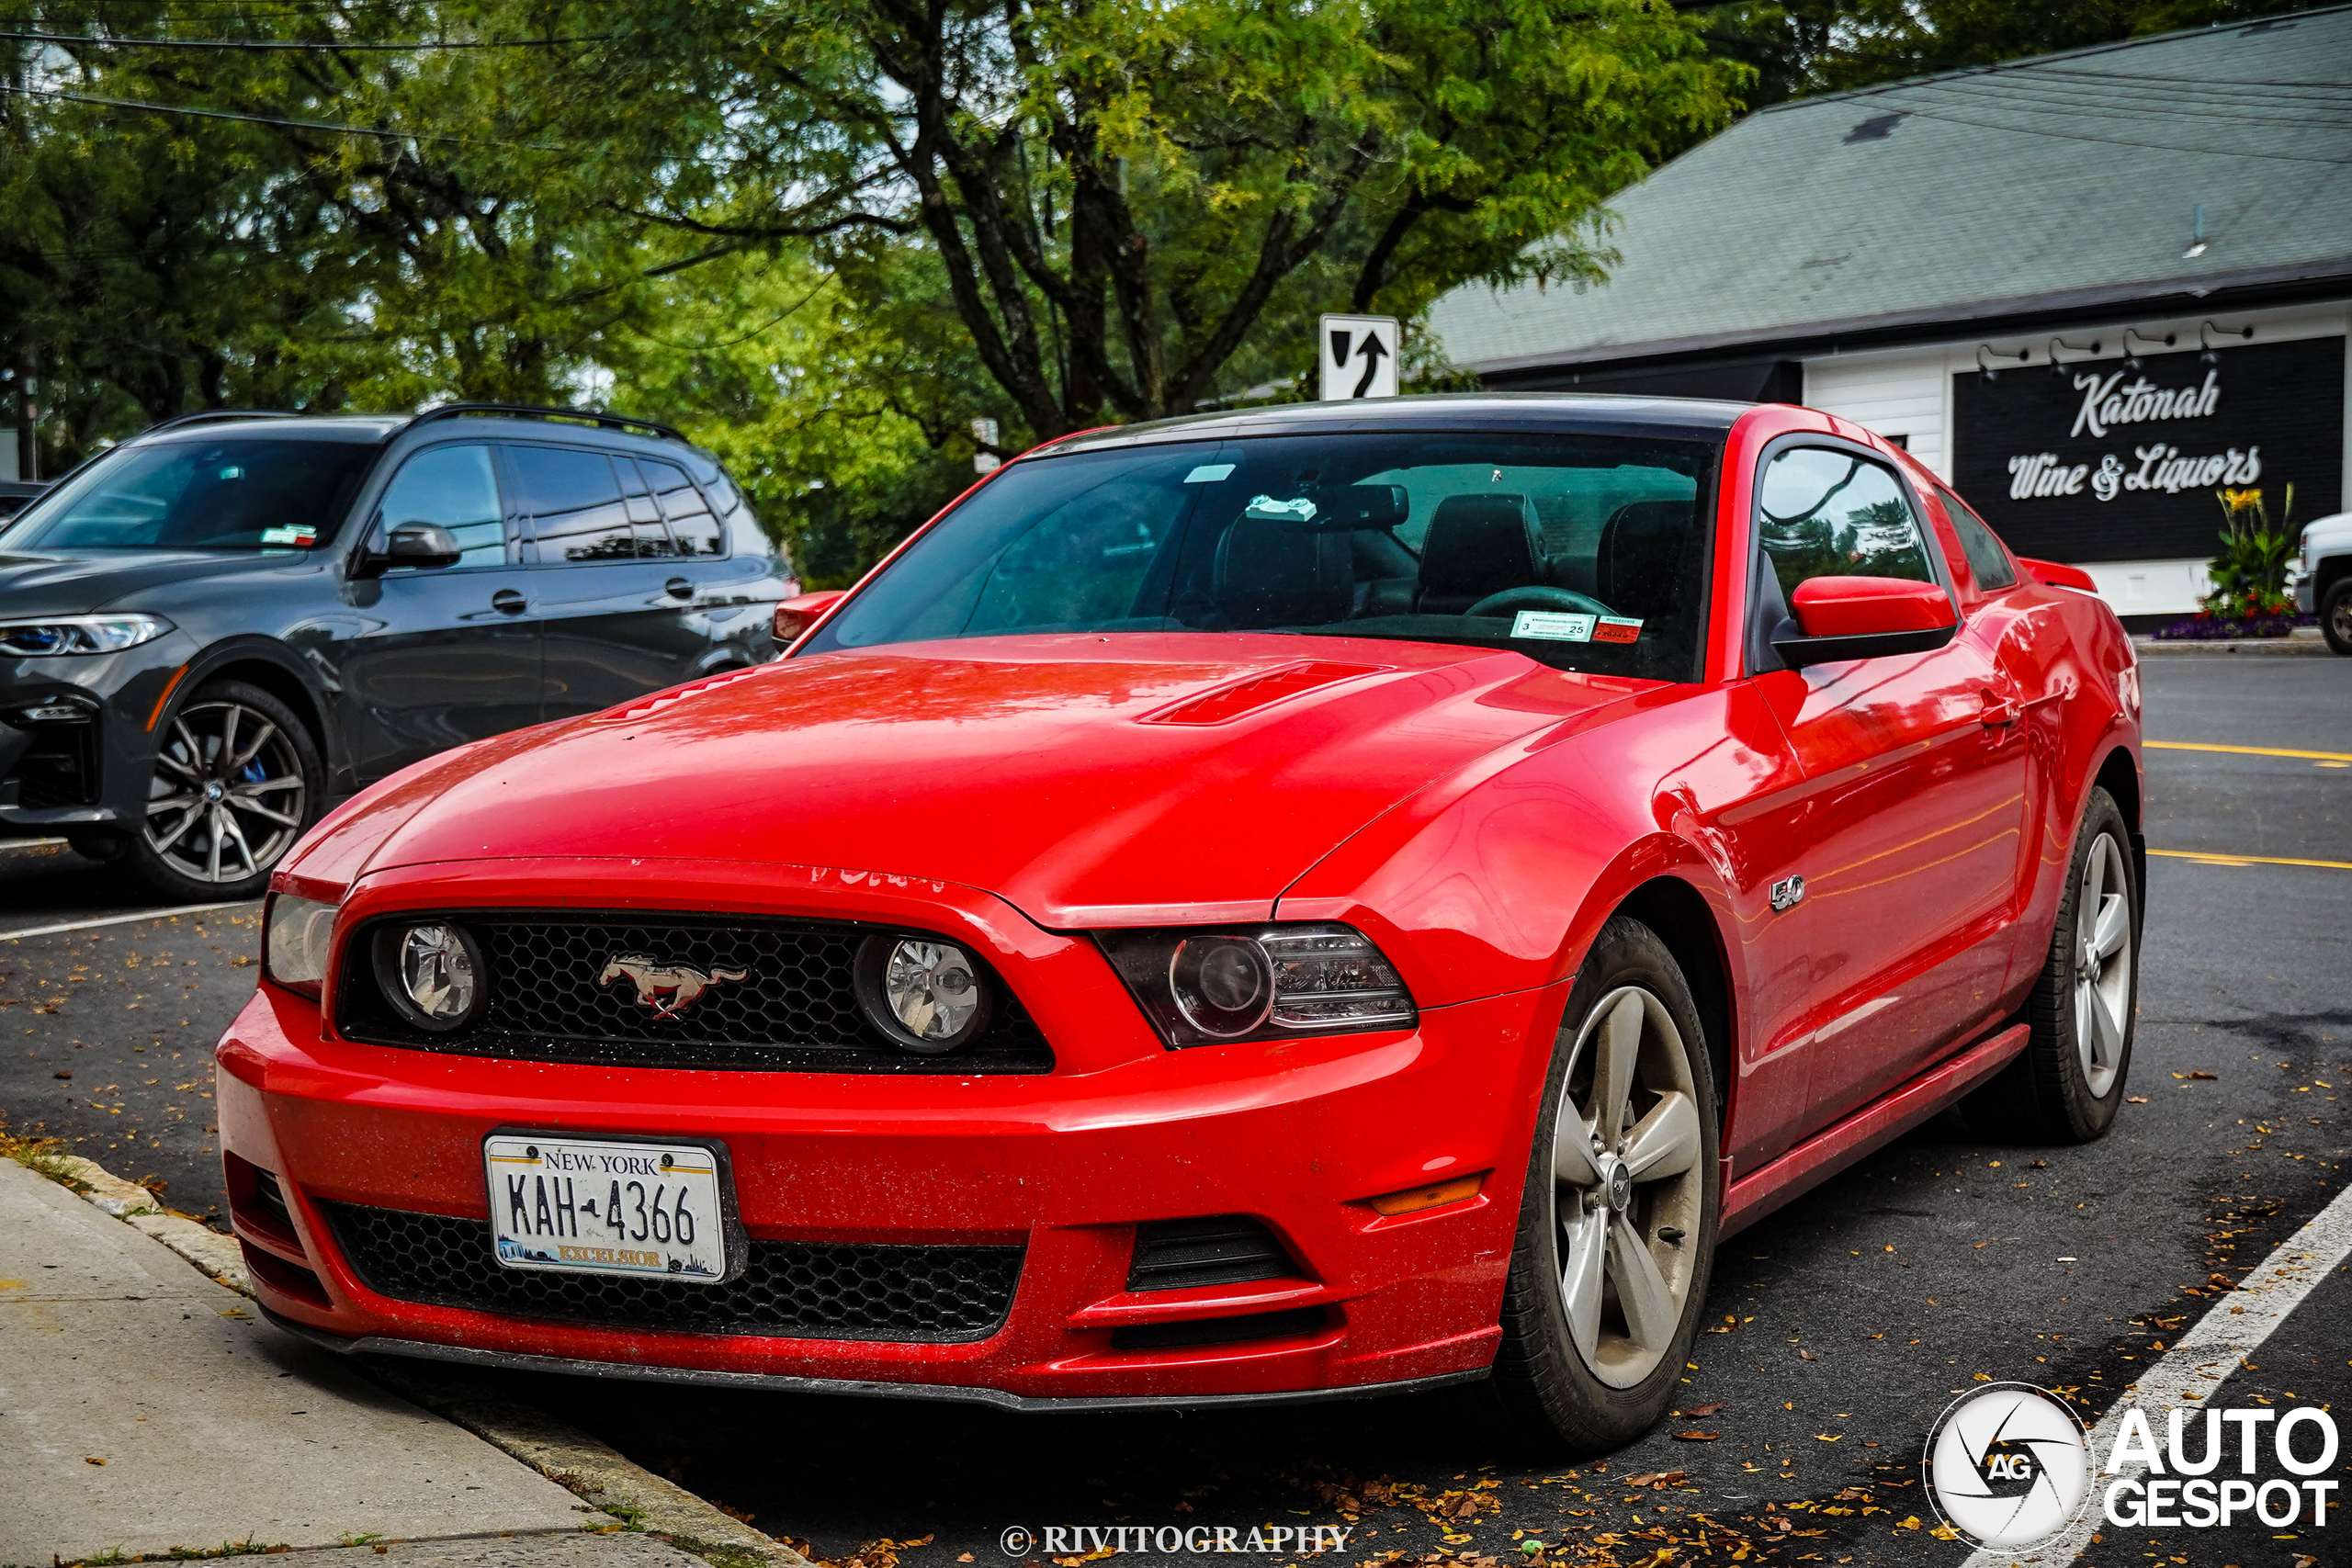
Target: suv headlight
(79,634)
(1210,986)
(294,950)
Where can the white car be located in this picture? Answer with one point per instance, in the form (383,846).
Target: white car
(2323,578)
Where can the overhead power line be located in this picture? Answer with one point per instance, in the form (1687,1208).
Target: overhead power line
(378,132)
(319,45)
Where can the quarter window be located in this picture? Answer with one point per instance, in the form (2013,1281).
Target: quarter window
(693,529)
(1987,561)
(1831,513)
(456,488)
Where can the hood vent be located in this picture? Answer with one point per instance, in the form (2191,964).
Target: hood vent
(1229,703)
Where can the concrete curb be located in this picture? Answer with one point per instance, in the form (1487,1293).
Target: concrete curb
(572,1458)
(2260,647)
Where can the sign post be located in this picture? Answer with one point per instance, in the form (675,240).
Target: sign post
(1357,355)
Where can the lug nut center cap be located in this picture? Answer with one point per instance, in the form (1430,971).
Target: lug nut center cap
(213,792)
(1619,1185)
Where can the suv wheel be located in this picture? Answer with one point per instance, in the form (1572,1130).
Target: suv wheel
(236,782)
(2336,616)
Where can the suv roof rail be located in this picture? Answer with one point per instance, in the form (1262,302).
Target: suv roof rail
(538,411)
(207,416)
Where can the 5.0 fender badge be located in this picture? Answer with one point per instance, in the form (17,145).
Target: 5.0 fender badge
(668,989)
(1787,893)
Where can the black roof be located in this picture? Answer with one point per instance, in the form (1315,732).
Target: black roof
(1495,412)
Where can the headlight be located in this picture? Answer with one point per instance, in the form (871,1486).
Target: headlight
(294,953)
(1202,987)
(927,996)
(80,634)
(431,972)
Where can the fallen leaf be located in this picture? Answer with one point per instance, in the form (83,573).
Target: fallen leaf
(1826,1437)
(2137,1098)
(1807,1356)
(92,1458)
(1699,1411)
(1696,1436)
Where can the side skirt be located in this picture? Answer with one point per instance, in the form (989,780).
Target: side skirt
(1829,1152)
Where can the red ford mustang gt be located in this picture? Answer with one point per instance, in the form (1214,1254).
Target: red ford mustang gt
(1312,902)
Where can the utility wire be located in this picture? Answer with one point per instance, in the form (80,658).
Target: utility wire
(377,132)
(327,44)
(2119,140)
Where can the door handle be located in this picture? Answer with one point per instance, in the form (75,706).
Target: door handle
(679,587)
(1999,711)
(507,602)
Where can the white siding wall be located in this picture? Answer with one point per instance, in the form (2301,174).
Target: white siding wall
(1895,394)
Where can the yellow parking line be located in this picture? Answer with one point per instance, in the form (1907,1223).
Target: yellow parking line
(2344,757)
(2215,857)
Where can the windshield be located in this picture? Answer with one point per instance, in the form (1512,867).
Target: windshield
(227,493)
(1584,552)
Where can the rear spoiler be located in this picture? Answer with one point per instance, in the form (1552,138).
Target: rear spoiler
(2057,575)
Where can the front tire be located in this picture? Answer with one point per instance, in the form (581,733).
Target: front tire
(2066,1085)
(237,781)
(2336,618)
(1617,1227)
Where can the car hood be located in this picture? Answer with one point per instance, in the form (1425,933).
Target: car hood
(1086,779)
(73,585)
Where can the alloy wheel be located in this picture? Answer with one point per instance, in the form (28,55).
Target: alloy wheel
(1626,1183)
(2102,963)
(228,794)
(2339,619)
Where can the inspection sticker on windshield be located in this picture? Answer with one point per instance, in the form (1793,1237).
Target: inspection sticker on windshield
(1617,628)
(300,534)
(1555,626)
(1208,473)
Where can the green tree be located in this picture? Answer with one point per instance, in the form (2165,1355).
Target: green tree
(1121,197)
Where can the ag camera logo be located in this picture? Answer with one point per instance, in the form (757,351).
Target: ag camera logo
(2008,1466)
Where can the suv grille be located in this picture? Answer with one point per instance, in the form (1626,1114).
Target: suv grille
(795,1010)
(795,1290)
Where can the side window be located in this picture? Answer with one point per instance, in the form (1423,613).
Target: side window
(644,516)
(1987,561)
(456,487)
(574,501)
(697,533)
(1831,513)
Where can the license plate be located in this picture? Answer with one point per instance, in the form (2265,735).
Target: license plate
(582,1206)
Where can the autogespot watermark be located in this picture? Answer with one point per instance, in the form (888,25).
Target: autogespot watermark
(2008,1466)
(1197,1541)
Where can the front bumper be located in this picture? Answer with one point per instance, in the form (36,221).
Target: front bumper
(58,774)
(1298,1134)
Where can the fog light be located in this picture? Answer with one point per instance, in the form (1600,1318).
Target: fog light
(928,996)
(431,973)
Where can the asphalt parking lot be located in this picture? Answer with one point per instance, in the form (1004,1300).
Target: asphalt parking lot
(1840,1326)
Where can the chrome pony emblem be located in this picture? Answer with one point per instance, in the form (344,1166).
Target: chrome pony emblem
(668,989)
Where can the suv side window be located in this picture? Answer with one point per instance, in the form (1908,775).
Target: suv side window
(1987,561)
(696,532)
(1826,513)
(577,514)
(456,487)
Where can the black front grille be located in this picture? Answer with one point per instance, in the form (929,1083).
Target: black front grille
(793,1010)
(1223,1250)
(790,1289)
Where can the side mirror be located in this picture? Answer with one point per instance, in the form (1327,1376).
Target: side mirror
(1862,617)
(795,616)
(422,543)
(410,544)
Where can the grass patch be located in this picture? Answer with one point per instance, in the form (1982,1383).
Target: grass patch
(246,1548)
(45,1156)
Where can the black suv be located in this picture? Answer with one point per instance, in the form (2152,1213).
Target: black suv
(213,632)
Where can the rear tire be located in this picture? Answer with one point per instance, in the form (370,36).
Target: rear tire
(237,781)
(2336,618)
(1617,1226)
(2066,1085)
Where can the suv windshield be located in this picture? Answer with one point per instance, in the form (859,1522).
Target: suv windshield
(226,493)
(1584,552)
